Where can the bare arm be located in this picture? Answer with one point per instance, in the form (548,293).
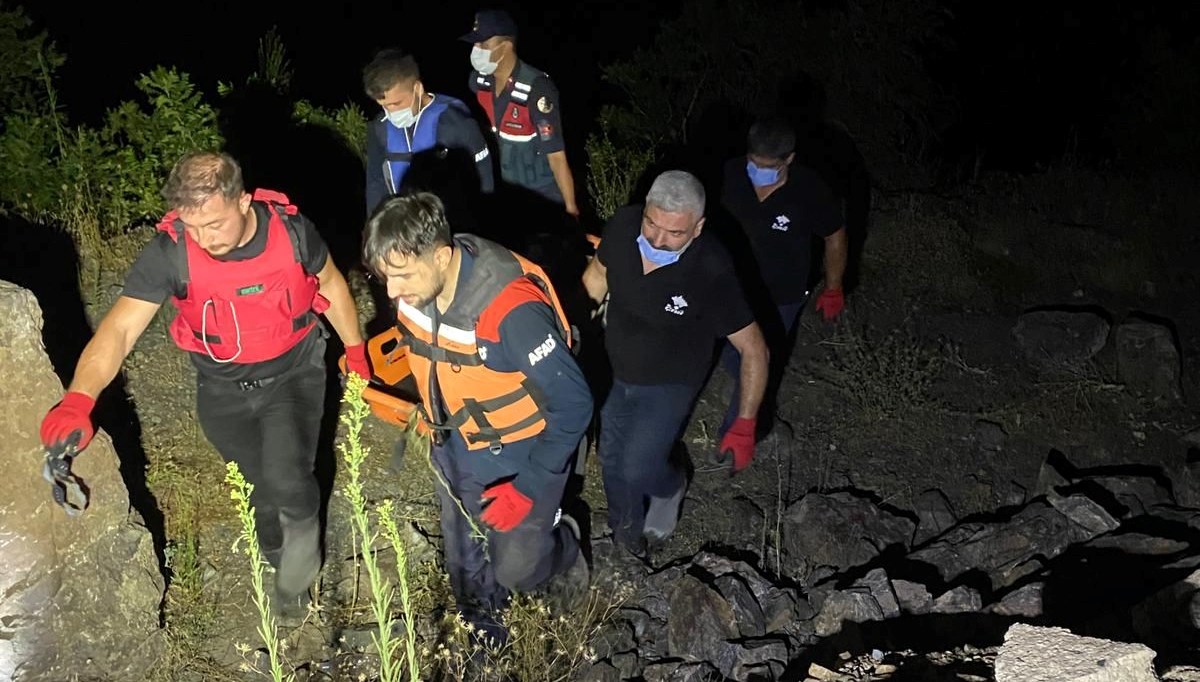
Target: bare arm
(595,280)
(342,313)
(835,259)
(750,344)
(103,355)
(564,180)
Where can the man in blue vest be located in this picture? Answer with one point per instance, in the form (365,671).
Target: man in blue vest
(522,105)
(413,121)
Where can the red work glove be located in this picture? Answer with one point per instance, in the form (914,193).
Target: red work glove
(739,442)
(356,360)
(72,414)
(830,303)
(508,507)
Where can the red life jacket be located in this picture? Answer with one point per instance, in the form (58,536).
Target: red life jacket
(250,310)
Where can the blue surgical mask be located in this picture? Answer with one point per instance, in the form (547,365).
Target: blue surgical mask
(659,256)
(761,177)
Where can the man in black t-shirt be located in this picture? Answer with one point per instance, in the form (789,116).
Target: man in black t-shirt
(781,209)
(249,276)
(672,293)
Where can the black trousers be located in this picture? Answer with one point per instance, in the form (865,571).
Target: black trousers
(271,433)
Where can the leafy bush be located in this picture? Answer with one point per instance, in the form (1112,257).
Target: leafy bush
(349,123)
(27,59)
(613,172)
(887,374)
(111,177)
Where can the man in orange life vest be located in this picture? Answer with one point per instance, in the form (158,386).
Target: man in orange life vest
(249,276)
(522,105)
(489,347)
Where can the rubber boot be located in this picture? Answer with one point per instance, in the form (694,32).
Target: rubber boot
(299,564)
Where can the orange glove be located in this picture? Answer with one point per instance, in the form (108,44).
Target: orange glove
(739,442)
(508,507)
(356,360)
(830,303)
(72,414)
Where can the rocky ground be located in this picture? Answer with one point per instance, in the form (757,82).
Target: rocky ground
(989,435)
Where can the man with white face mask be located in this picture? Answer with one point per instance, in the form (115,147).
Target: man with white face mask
(413,121)
(673,294)
(522,105)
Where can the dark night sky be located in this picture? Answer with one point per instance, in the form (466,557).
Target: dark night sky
(327,44)
(1027,75)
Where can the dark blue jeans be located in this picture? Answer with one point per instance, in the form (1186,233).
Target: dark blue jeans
(522,559)
(639,426)
(777,336)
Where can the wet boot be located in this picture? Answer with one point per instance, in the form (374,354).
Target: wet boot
(299,563)
(661,517)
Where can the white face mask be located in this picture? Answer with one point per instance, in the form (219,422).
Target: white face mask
(405,118)
(481,61)
(402,118)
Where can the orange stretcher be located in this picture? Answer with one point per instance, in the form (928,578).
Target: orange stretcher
(392,391)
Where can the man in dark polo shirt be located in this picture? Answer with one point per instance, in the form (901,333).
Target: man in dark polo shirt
(782,209)
(673,294)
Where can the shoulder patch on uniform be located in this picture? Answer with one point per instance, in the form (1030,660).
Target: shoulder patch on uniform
(544,105)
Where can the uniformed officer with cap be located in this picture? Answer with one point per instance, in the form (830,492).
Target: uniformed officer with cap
(521,103)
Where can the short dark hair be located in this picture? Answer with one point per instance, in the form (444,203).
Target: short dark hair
(199,175)
(771,137)
(388,69)
(410,224)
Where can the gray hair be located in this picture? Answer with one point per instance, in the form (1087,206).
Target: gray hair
(677,191)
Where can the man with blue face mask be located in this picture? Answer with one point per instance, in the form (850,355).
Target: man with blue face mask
(413,121)
(782,208)
(672,294)
(522,105)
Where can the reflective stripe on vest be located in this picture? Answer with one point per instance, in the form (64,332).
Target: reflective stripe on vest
(487,407)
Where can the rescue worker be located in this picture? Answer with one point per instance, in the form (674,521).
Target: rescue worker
(782,208)
(249,276)
(489,348)
(413,121)
(672,294)
(522,105)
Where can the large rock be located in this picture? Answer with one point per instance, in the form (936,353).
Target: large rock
(1057,339)
(839,531)
(81,594)
(1036,654)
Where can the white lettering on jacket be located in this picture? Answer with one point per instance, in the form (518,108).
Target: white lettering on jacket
(545,348)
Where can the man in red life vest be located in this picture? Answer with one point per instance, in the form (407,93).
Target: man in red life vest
(249,276)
